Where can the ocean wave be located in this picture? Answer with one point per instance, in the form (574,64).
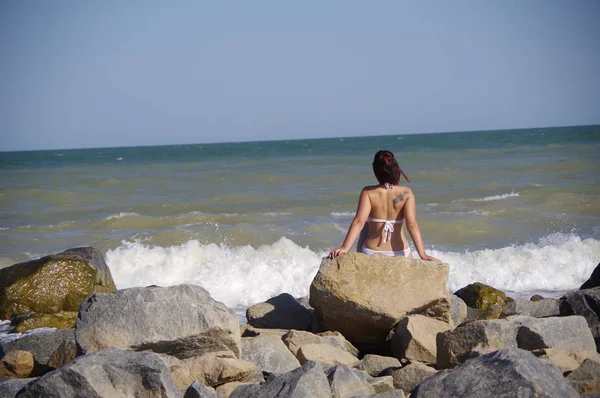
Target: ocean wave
(240,276)
(342,214)
(496,197)
(275,214)
(121,215)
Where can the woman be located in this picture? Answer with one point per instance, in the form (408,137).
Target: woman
(386,207)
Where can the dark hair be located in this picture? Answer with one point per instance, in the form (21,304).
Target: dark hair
(386,168)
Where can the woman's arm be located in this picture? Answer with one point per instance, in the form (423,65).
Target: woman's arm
(410,215)
(362,213)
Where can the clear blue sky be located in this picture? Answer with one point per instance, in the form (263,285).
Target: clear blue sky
(119,73)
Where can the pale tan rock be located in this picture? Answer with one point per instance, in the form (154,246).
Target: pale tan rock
(326,355)
(565,360)
(411,375)
(363,297)
(17,364)
(295,339)
(211,369)
(374,365)
(415,338)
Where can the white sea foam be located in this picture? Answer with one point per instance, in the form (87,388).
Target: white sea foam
(557,262)
(496,197)
(238,276)
(342,214)
(121,215)
(243,275)
(275,214)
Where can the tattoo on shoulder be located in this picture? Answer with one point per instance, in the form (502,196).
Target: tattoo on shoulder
(400,197)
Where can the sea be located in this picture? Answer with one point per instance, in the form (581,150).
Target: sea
(515,209)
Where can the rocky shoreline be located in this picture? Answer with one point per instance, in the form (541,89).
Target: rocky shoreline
(372,327)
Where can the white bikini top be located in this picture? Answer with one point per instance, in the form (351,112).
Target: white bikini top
(388,227)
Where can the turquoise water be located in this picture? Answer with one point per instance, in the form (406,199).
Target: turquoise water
(517,209)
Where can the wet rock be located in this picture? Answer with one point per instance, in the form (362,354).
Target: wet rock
(182,321)
(363,297)
(280,312)
(306,381)
(269,354)
(594,279)
(505,373)
(55,284)
(478,295)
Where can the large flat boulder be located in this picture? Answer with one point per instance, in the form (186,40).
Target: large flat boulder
(510,372)
(212,369)
(295,339)
(182,321)
(538,309)
(53,284)
(587,304)
(108,373)
(363,297)
(480,337)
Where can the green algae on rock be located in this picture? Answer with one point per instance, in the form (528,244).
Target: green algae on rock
(54,284)
(478,295)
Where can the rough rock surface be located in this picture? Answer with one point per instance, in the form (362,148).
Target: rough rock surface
(586,378)
(41,345)
(53,284)
(269,354)
(587,304)
(108,373)
(10,387)
(594,279)
(182,321)
(17,364)
(64,354)
(280,312)
(480,337)
(565,360)
(346,382)
(212,369)
(363,297)
(415,338)
(458,310)
(381,383)
(504,373)
(408,377)
(388,394)
(376,364)
(306,381)
(478,295)
(326,355)
(295,339)
(538,309)
(199,390)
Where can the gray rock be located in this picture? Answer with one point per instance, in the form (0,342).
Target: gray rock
(594,279)
(199,390)
(250,331)
(388,394)
(41,346)
(376,364)
(182,321)
(480,337)
(280,312)
(506,373)
(108,373)
(306,381)
(10,387)
(538,309)
(587,304)
(408,377)
(346,382)
(269,354)
(458,309)
(586,378)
